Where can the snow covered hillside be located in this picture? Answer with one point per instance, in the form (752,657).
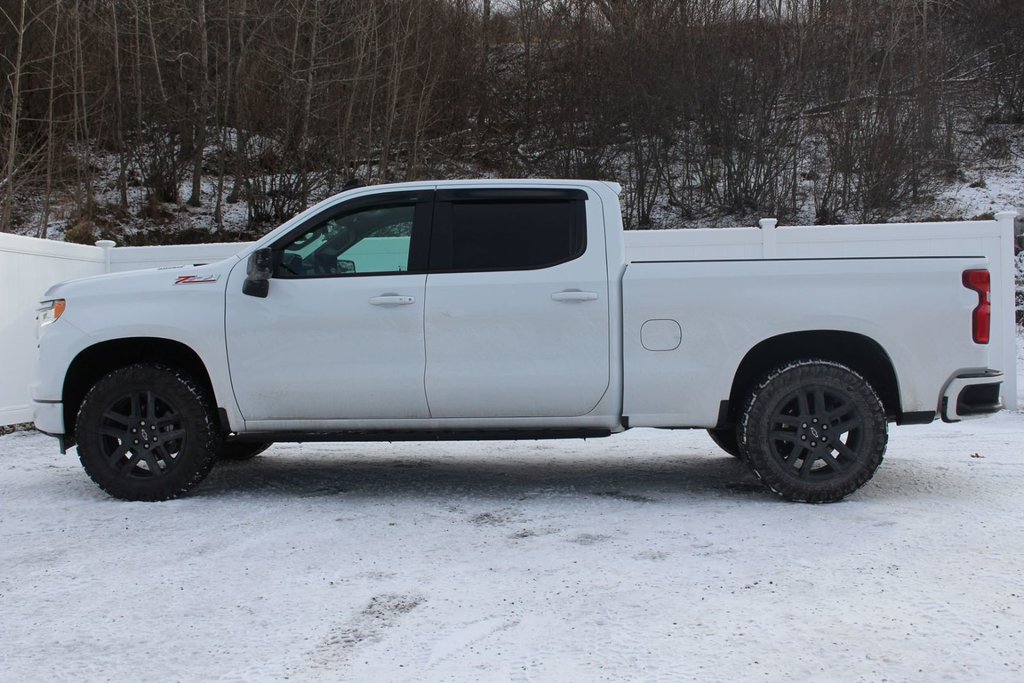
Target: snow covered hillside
(649,556)
(986,186)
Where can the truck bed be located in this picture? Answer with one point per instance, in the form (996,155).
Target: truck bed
(878,241)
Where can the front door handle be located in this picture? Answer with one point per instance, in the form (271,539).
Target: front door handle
(572,295)
(392,300)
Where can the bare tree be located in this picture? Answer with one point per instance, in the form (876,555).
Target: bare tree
(201,106)
(20,26)
(702,109)
(54,28)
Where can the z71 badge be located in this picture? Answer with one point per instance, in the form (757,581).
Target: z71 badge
(196,279)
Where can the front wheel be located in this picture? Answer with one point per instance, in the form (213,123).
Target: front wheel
(814,431)
(147,432)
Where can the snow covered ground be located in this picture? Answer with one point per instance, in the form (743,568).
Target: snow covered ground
(646,556)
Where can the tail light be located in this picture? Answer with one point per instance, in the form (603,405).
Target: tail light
(981,319)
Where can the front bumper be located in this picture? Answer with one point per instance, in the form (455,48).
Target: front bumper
(49,417)
(970,395)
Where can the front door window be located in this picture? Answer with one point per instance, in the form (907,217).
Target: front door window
(369,241)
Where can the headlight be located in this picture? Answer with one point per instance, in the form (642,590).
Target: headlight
(50,311)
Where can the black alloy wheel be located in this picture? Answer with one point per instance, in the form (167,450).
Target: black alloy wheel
(814,431)
(146,432)
(142,436)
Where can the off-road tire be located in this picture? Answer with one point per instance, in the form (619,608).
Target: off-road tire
(727,440)
(147,432)
(242,450)
(813,431)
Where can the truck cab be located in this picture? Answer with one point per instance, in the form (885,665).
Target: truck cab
(497,314)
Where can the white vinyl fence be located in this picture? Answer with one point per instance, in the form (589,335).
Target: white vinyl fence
(29,266)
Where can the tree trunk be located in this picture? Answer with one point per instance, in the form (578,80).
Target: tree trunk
(220,116)
(307,104)
(86,204)
(201,112)
(44,219)
(241,121)
(12,132)
(122,157)
(156,54)
(137,82)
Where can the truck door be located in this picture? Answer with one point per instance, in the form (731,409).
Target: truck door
(340,334)
(516,319)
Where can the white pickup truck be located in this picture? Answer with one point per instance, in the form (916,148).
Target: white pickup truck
(511,309)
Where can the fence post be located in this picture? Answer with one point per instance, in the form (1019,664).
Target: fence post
(1007,243)
(767,226)
(106,246)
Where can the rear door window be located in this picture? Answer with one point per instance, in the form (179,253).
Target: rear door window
(508,233)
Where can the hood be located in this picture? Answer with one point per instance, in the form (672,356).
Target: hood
(210,275)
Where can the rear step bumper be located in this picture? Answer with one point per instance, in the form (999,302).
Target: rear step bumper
(973,394)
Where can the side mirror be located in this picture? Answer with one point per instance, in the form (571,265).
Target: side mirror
(258,272)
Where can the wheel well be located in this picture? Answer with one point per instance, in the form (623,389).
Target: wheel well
(96,361)
(853,350)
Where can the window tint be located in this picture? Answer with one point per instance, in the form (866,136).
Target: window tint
(373,240)
(515,235)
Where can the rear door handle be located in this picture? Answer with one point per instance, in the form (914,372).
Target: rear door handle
(392,300)
(572,295)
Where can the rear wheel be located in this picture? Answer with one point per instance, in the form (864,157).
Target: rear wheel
(147,432)
(814,431)
(726,440)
